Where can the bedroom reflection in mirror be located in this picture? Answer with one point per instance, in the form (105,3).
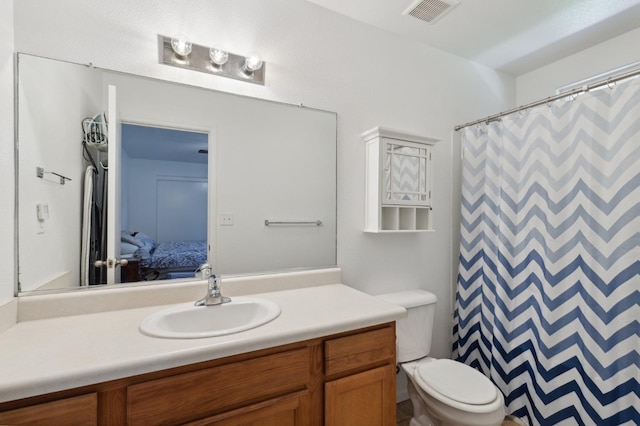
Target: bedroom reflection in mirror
(163,195)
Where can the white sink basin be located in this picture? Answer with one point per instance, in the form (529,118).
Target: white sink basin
(186,321)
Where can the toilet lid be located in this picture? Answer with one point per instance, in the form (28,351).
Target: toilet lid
(457,381)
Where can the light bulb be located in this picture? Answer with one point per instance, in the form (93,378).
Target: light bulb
(218,56)
(181,45)
(252,63)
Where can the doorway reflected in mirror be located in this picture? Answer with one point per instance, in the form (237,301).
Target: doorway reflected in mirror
(164,195)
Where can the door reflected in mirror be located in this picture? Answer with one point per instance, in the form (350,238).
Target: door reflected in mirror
(250,161)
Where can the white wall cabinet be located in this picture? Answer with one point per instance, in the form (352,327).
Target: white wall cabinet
(399,182)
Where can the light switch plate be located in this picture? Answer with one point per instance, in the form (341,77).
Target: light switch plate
(226,219)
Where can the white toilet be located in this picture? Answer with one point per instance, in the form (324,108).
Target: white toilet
(442,391)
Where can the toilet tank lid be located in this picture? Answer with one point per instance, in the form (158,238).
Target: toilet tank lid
(409,298)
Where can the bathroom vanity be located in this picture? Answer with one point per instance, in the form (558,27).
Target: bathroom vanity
(285,385)
(329,358)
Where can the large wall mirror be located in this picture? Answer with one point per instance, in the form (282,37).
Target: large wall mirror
(114,166)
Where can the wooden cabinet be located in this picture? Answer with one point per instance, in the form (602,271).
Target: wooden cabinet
(283,411)
(362,399)
(79,410)
(205,392)
(356,393)
(399,184)
(344,379)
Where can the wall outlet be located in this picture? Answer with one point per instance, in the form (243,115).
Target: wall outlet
(226,219)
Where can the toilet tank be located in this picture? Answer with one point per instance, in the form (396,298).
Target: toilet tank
(413,334)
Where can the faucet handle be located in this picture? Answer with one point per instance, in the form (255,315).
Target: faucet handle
(204,271)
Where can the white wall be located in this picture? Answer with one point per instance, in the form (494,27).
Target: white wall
(54,99)
(7,270)
(598,59)
(323,60)
(141,180)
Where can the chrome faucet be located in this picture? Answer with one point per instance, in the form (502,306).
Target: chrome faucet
(214,294)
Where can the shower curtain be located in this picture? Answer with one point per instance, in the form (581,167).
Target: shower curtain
(548,296)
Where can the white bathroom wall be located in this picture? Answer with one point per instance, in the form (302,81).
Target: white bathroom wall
(318,58)
(54,99)
(6,152)
(598,59)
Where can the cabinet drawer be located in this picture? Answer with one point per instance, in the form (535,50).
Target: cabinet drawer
(190,396)
(80,410)
(359,351)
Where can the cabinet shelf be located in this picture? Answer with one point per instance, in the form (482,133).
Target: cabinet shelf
(398,181)
(403,219)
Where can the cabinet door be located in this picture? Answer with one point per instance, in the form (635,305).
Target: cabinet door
(211,391)
(283,411)
(81,410)
(406,177)
(363,399)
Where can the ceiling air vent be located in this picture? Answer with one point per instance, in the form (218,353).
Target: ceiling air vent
(430,10)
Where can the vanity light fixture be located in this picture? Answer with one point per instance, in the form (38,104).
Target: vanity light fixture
(219,57)
(252,63)
(181,46)
(179,52)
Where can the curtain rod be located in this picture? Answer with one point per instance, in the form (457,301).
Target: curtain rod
(573,92)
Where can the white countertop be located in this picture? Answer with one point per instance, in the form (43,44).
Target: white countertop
(48,355)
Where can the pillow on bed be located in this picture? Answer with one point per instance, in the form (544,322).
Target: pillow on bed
(138,239)
(145,240)
(147,247)
(129,238)
(127,248)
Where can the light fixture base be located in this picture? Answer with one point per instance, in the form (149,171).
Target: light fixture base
(199,60)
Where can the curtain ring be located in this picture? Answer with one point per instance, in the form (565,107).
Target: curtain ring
(610,83)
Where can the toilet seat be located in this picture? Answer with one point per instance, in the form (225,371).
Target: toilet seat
(457,385)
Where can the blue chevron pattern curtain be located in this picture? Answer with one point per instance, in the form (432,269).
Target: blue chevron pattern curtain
(548,297)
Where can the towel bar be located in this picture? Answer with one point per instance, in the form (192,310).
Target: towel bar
(40,173)
(268,222)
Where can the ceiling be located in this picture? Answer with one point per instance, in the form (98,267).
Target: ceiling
(156,143)
(514,36)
